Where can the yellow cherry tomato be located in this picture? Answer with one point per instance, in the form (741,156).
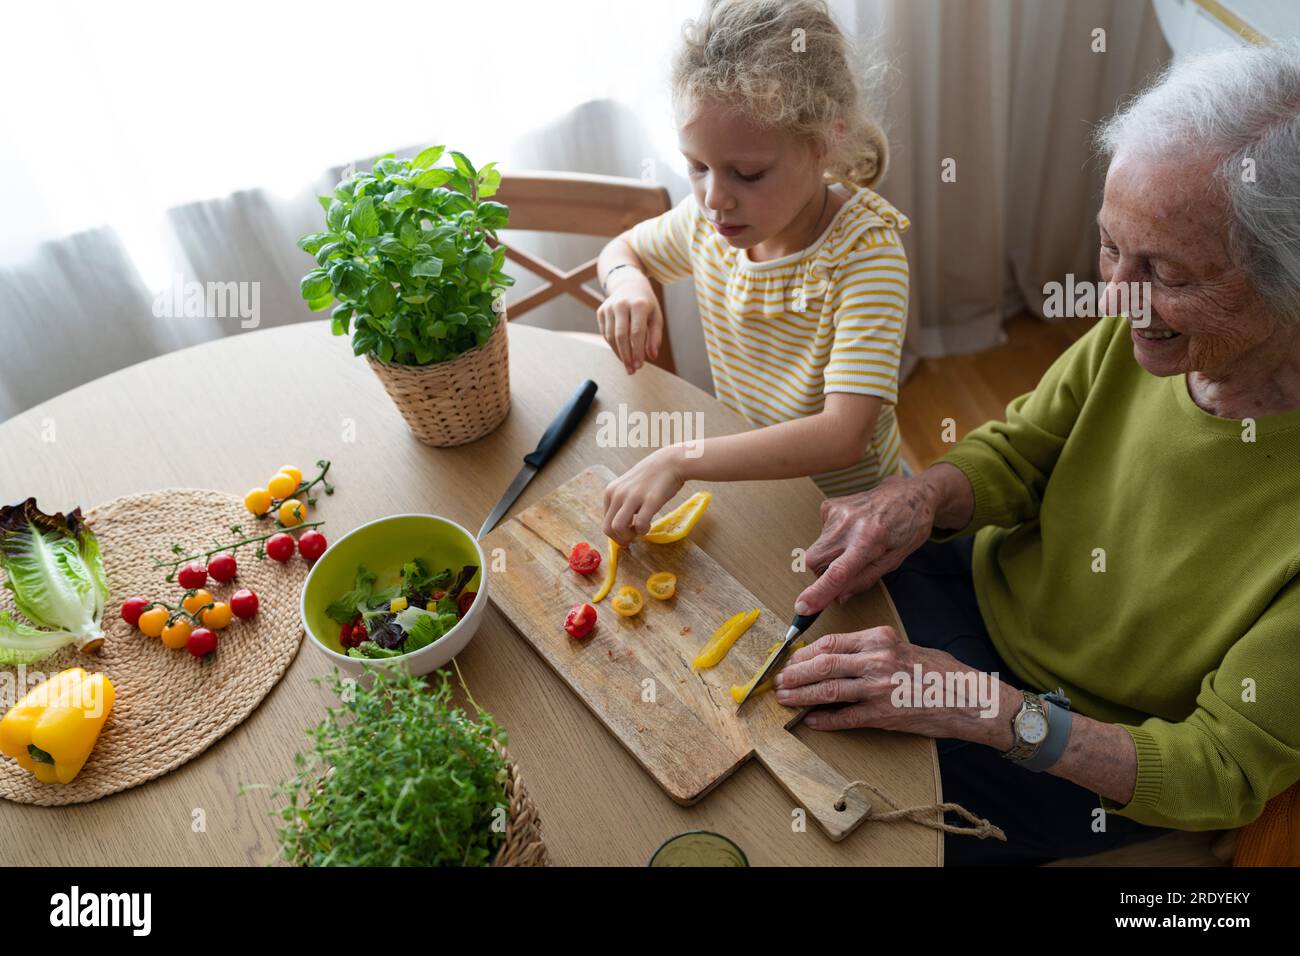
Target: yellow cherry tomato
(176,633)
(293,513)
(194,601)
(153,621)
(627,601)
(281,485)
(661,586)
(217,616)
(294,473)
(258,501)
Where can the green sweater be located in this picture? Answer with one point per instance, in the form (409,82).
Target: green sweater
(1190,637)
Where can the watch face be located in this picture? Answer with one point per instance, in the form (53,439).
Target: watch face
(1033,727)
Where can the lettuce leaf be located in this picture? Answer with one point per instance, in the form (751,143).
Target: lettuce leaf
(56,573)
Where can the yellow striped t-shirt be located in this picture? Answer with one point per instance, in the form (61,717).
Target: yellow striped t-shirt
(782,334)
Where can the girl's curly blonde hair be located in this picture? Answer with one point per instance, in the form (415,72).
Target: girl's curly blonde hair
(786,65)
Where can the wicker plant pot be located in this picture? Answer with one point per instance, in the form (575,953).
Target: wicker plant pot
(523,845)
(454,402)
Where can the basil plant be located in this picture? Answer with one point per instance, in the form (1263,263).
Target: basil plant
(405,254)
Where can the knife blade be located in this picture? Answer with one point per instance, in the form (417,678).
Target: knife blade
(800,624)
(560,428)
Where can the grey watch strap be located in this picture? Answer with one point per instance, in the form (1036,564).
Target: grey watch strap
(1059,719)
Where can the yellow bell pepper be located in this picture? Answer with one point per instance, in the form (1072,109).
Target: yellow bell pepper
(51,731)
(611,569)
(678,523)
(723,638)
(738,693)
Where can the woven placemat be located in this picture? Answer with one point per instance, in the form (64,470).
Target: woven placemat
(170,706)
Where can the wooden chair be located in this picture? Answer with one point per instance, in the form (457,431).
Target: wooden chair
(579,204)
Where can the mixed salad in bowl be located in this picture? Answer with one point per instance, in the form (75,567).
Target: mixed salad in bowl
(413,613)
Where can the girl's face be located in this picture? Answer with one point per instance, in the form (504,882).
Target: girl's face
(748,176)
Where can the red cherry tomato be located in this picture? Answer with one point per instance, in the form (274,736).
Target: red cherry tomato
(311,545)
(280,546)
(580,620)
(201,642)
(464,601)
(584,558)
(132,608)
(244,603)
(193,576)
(223,568)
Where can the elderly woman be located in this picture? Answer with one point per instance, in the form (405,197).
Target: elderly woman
(1130,535)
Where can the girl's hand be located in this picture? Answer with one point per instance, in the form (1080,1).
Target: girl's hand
(635,497)
(630,319)
(855,675)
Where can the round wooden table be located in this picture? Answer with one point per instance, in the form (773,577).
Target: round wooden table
(226,414)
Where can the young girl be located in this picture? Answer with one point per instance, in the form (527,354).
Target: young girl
(799,271)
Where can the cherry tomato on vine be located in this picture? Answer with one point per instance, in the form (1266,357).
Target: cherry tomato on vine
(192,602)
(258,501)
(177,633)
(312,544)
(217,616)
(201,642)
(153,621)
(294,473)
(193,575)
(223,568)
(132,608)
(282,485)
(244,603)
(292,513)
(280,546)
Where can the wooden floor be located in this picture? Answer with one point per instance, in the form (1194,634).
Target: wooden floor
(972,389)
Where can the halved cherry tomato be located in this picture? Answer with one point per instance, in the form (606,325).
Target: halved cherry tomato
(661,586)
(580,620)
(464,601)
(584,558)
(627,601)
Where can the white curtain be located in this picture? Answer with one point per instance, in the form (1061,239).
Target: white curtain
(147,145)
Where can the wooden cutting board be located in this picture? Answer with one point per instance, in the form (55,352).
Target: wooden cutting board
(635,673)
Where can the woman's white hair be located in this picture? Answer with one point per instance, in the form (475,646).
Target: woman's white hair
(1241,109)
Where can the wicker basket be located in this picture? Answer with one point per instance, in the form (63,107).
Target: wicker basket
(454,402)
(523,845)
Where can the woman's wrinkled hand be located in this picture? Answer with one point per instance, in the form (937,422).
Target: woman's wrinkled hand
(850,678)
(634,498)
(864,537)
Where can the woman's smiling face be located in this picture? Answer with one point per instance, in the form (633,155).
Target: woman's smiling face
(748,176)
(1162,224)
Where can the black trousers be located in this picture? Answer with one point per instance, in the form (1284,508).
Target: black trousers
(1045,817)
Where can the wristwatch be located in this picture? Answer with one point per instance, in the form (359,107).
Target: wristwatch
(1042,729)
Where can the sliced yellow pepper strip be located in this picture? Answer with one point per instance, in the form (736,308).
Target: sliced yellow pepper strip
(678,523)
(723,638)
(611,568)
(738,693)
(51,731)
